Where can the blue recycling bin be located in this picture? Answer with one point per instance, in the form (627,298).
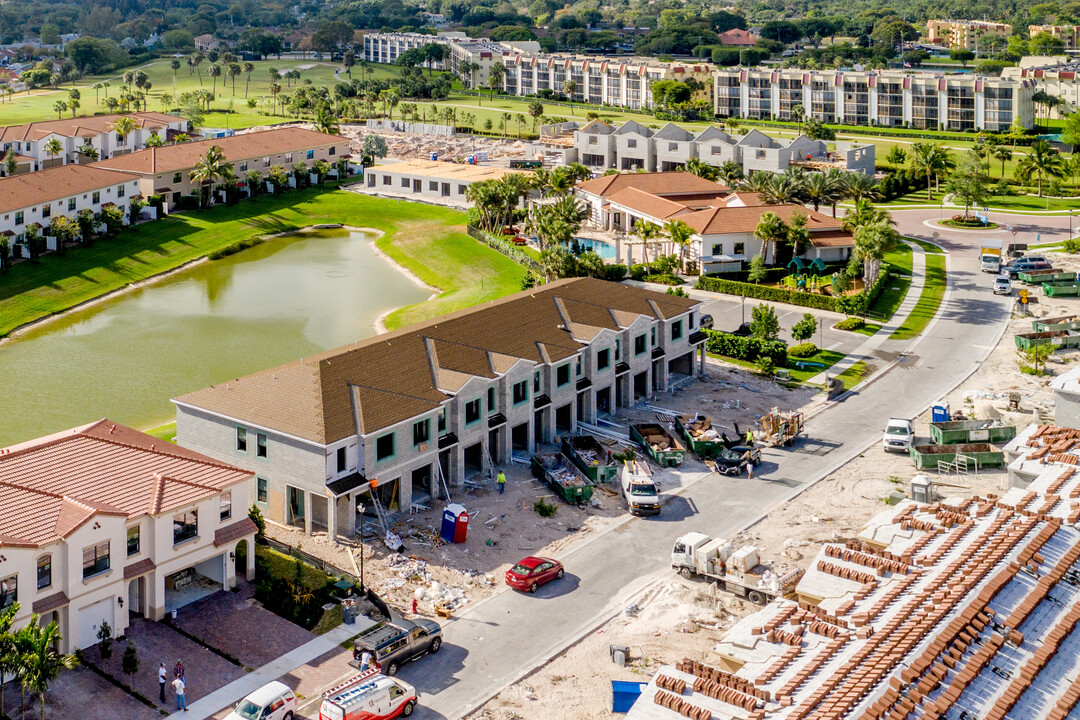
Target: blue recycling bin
(455,523)
(623,694)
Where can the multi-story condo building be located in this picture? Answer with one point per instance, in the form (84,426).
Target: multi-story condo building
(891,98)
(101,523)
(481,53)
(1068,34)
(30,141)
(963,34)
(448,397)
(1051,76)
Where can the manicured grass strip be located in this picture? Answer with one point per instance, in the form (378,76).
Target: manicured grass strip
(855,374)
(927,247)
(428,240)
(929,301)
(828,358)
(164,432)
(896,289)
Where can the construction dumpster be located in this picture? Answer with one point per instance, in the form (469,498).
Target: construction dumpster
(927,457)
(1061,289)
(1035,277)
(591,457)
(659,444)
(971,431)
(563,477)
(1058,338)
(1065,322)
(701,436)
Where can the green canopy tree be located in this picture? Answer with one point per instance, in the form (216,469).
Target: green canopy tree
(679,233)
(771,231)
(1043,161)
(968,183)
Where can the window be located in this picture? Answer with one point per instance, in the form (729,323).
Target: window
(266,162)
(178,177)
(95,559)
(639,345)
(603,359)
(460,189)
(71,203)
(521,392)
(96,197)
(288,157)
(185,526)
(333,150)
(133,540)
(226,505)
(433,185)
(472,411)
(44,572)
(310,154)
(631,143)
(384,447)
(676,330)
(578,367)
(536,383)
(261,493)
(260,445)
(717,249)
(341,460)
(442,421)
(119,191)
(491,400)
(740,248)
(421,432)
(46,211)
(386,180)
(241,439)
(9,592)
(19,218)
(405,182)
(672,146)
(618,350)
(562,375)
(242,166)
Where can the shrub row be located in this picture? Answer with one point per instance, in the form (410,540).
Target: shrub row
(746,348)
(802,350)
(772,294)
(233,248)
(851,323)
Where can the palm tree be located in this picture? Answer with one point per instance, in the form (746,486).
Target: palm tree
(930,161)
(758,182)
(770,230)
(210,167)
(702,169)
(233,70)
(647,232)
(578,172)
(214,72)
(783,189)
(864,213)
(731,173)
(569,87)
(859,186)
(798,112)
(732,123)
(60,106)
(175,65)
(42,661)
(10,662)
(275,89)
(1003,154)
(248,69)
(1043,161)
(327,122)
(505,117)
(123,127)
(679,233)
(872,241)
(54,147)
(823,188)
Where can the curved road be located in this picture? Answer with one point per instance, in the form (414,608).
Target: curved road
(499,640)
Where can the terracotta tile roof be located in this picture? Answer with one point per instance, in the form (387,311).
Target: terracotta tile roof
(725,220)
(84,126)
(648,204)
(138,568)
(50,602)
(390,378)
(53,485)
(658,183)
(56,183)
(236,531)
(173,158)
(832,238)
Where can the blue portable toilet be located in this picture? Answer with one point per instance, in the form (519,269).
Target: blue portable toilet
(623,694)
(940,413)
(455,523)
(434,156)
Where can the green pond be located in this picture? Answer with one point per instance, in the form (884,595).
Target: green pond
(126,357)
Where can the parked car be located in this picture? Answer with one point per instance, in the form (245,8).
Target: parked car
(532,572)
(273,701)
(1026,263)
(706,321)
(392,644)
(732,460)
(899,434)
(1002,285)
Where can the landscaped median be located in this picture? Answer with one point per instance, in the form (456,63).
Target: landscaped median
(930,298)
(746,352)
(851,304)
(429,241)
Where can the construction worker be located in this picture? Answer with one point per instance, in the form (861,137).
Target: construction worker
(500,481)
(750,437)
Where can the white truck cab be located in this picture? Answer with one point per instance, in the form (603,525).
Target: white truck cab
(899,435)
(639,489)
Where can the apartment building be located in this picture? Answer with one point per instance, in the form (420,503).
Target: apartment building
(961,101)
(1053,75)
(167,170)
(963,34)
(391,414)
(430,179)
(481,53)
(1068,34)
(632,146)
(36,198)
(75,501)
(30,140)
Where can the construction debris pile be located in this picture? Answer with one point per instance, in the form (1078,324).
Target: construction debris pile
(408,145)
(701,428)
(560,472)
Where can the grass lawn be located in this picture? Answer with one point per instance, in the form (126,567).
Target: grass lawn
(166,432)
(929,301)
(854,374)
(927,247)
(893,294)
(277,564)
(828,358)
(428,240)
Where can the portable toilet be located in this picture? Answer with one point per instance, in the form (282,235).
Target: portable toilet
(455,523)
(434,156)
(940,413)
(922,489)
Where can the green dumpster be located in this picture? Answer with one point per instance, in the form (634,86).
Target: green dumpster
(927,457)
(1061,289)
(1065,322)
(971,431)
(591,457)
(659,444)
(1035,277)
(1059,338)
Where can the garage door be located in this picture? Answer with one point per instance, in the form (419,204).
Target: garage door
(90,619)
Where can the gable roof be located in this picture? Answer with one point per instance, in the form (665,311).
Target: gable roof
(649,204)
(51,486)
(723,220)
(636,128)
(55,183)
(84,126)
(671,131)
(657,183)
(171,158)
(597,127)
(713,133)
(756,138)
(388,379)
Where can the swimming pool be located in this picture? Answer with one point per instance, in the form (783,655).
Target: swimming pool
(601,248)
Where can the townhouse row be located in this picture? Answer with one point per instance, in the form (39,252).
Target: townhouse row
(396,414)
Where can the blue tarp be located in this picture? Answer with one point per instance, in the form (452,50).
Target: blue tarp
(623,694)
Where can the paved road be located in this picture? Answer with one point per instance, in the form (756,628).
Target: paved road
(920,223)
(728,313)
(498,641)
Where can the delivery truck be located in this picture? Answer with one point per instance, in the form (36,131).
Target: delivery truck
(368,696)
(739,572)
(640,490)
(990,256)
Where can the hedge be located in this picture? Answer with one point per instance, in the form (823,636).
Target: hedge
(772,294)
(747,348)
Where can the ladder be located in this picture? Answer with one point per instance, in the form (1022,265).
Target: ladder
(379,512)
(487,466)
(442,480)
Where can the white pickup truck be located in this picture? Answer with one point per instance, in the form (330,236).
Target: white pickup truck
(639,489)
(899,434)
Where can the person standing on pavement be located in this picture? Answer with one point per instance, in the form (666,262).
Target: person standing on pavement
(162,678)
(749,469)
(500,481)
(181,702)
(178,670)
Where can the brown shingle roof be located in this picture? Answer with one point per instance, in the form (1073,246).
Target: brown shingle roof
(139,567)
(388,379)
(51,486)
(57,183)
(171,158)
(236,531)
(84,126)
(745,219)
(657,183)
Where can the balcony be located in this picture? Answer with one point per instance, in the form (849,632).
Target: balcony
(696,337)
(541,401)
(495,420)
(622,368)
(448,440)
(584,384)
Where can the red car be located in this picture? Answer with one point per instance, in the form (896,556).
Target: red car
(532,572)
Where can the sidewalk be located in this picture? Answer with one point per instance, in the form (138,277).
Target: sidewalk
(872,343)
(230,694)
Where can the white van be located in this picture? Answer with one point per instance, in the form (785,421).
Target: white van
(273,701)
(368,696)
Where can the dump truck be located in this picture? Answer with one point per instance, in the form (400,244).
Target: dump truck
(563,477)
(739,572)
(990,256)
(659,444)
(702,437)
(591,457)
(639,489)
